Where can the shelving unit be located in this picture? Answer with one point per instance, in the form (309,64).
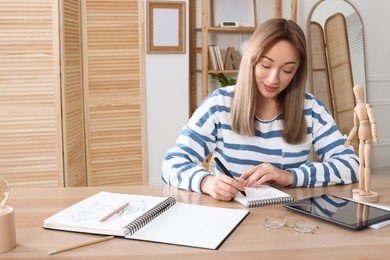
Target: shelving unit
(209,29)
(206,30)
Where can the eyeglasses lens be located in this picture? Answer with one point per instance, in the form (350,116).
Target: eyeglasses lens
(304,226)
(275,222)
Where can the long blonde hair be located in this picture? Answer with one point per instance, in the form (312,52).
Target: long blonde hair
(291,100)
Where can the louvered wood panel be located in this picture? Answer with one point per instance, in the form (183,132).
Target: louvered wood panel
(75,173)
(114,96)
(30,125)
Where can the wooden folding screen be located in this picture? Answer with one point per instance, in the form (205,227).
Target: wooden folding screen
(71,93)
(30,105)
(75,168)
(114,96)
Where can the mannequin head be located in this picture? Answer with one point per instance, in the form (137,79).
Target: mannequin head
(359,92)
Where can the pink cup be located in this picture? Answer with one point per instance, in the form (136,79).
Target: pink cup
(7,229)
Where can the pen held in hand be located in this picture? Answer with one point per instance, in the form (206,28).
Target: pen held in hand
(226,171)
(114,212)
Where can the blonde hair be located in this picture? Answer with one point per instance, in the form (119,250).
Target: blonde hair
(291,100)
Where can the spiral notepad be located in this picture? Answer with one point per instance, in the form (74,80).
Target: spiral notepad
(149,218)
(263,195)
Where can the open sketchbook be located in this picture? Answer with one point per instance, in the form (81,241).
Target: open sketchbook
(157,219)
(262,195)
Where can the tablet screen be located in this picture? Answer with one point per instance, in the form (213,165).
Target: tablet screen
(339,210)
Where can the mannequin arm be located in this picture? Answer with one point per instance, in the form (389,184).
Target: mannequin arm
(374,128)
(353,130)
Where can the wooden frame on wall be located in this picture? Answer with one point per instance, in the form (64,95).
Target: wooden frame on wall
(166,27)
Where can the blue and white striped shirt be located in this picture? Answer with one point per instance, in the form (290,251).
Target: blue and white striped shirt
(209,130)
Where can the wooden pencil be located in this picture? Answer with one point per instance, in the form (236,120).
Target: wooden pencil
(114,212)
(56,251)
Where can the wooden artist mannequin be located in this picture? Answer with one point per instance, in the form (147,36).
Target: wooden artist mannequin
(365,125)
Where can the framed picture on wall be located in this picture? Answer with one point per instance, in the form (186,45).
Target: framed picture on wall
(166,27)
(242,12)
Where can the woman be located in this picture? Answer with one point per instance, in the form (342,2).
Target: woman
(263,128)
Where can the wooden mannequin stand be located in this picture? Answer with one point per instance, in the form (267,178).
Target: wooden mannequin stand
(365,125)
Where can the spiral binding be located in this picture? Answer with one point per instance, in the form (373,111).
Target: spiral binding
(268,202)
(149,215)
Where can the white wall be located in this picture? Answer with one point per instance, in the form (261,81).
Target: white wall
(377,39)
(167,81)
(167,102)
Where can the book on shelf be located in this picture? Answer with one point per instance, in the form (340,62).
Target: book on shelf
(219,57)
(215,58)
(263,195)
(149,218)
(212,58)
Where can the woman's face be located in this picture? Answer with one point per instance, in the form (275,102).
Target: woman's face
(276,68)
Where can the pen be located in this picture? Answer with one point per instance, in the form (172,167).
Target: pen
(114,212)
(226,171)
(56,251)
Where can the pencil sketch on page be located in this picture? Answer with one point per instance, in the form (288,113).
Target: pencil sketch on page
(95,210)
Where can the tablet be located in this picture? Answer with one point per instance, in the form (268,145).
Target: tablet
(341,211)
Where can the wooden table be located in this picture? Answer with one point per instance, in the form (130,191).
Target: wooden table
(249,241)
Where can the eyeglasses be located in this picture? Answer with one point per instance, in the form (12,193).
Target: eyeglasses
(300,225)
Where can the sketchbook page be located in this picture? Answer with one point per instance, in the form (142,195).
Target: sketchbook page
(192,225)
(262,195)
(85,215)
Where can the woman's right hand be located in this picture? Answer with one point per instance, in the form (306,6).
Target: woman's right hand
(222,187)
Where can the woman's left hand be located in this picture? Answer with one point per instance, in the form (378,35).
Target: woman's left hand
(266,172)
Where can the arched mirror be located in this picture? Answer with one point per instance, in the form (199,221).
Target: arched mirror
(336,49)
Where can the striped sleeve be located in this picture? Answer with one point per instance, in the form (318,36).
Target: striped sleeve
(337,164)
(182,165)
